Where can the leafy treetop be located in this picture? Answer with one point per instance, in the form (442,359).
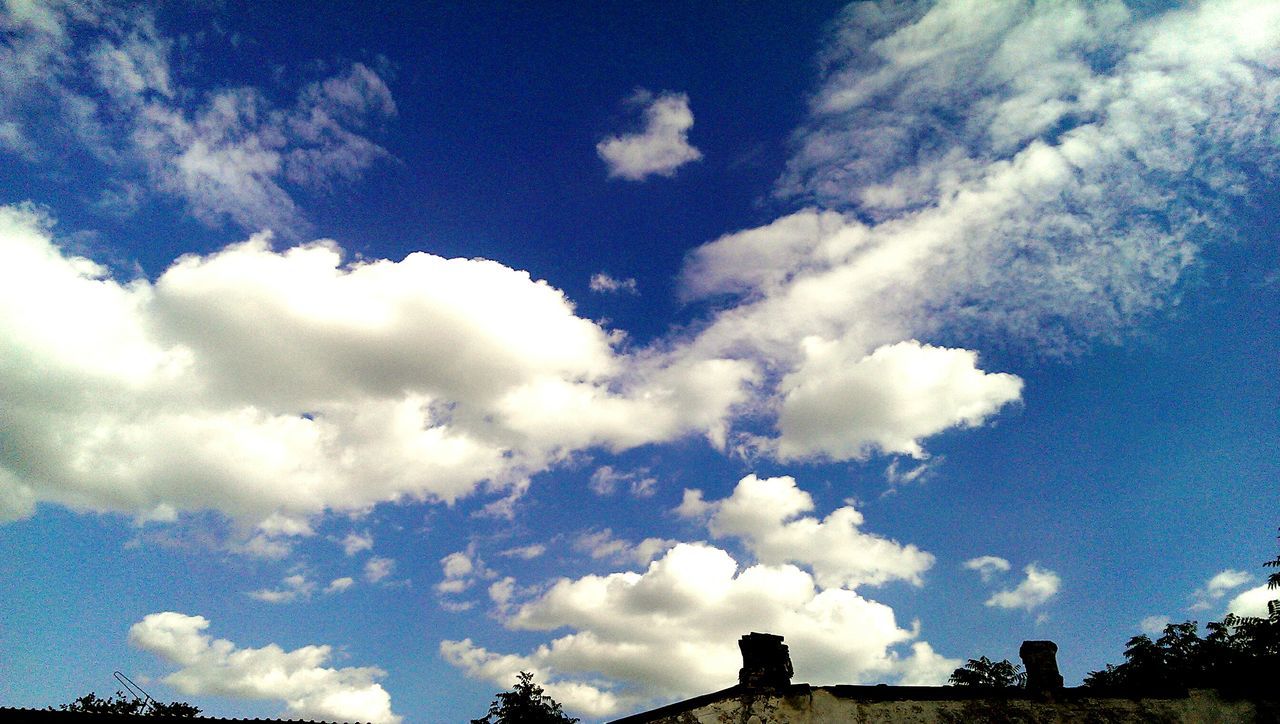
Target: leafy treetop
(128,705)
(524,704)
(987,674)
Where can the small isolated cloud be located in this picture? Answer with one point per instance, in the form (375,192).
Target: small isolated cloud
(1253,602)
(298,678)
(987,566)
(338,585)
(605,480)
(356,542)
(461,570)
(663,145)
(1037,588)
(295,587)
(1205,597)
(605,284)
(1154,625)
(527,553)
(377,568)
(918,472)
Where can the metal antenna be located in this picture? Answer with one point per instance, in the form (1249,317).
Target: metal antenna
(134,689)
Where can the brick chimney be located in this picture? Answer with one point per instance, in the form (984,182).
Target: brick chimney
(1040,659)
(766,663)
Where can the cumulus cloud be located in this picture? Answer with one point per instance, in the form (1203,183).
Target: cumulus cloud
(659,149)
(298,678)
(767,515)
(267,383)
(605,284)
(1205,597)
(987,566)
(841,405)
(1254,602)
(670,629)
(101,78)
(1034,590)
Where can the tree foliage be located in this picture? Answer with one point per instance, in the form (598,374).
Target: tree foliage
(985,673)
(128,705)
(526,703)
(1238,653)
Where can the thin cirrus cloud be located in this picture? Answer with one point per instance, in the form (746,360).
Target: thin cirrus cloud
(661,147)
(99,78)
(670,630)
(298,678)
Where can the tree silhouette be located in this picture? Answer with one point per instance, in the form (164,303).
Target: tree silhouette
(129,706)
(987,674)
(526,703)
(1240,653)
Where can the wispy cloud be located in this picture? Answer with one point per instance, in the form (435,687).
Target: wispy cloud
(101,78)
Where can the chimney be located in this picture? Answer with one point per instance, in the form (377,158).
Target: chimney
(766,664)
(1040,658)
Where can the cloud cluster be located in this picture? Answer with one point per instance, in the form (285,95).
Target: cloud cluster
(1213,591)
(671,630)
(275,385)
(767,515)
(99,78)
(1039,175)
(298,678)
(659,149)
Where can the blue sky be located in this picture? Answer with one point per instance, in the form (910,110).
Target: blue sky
(354,360)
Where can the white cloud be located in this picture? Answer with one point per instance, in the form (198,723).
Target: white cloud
(602,544)
(377,569)
(1253,602)
(1036,589)
(1031,174)
(100,77)
(527,553)
(672,631)
(605,284)
(356,542)
(1216,587)
(605,480)
(298,678)
(841,405)
(918,472)
(295,587)
(987,566)
(768,516)
(663,145)
(1154,625)
(338,585)
(262,383)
